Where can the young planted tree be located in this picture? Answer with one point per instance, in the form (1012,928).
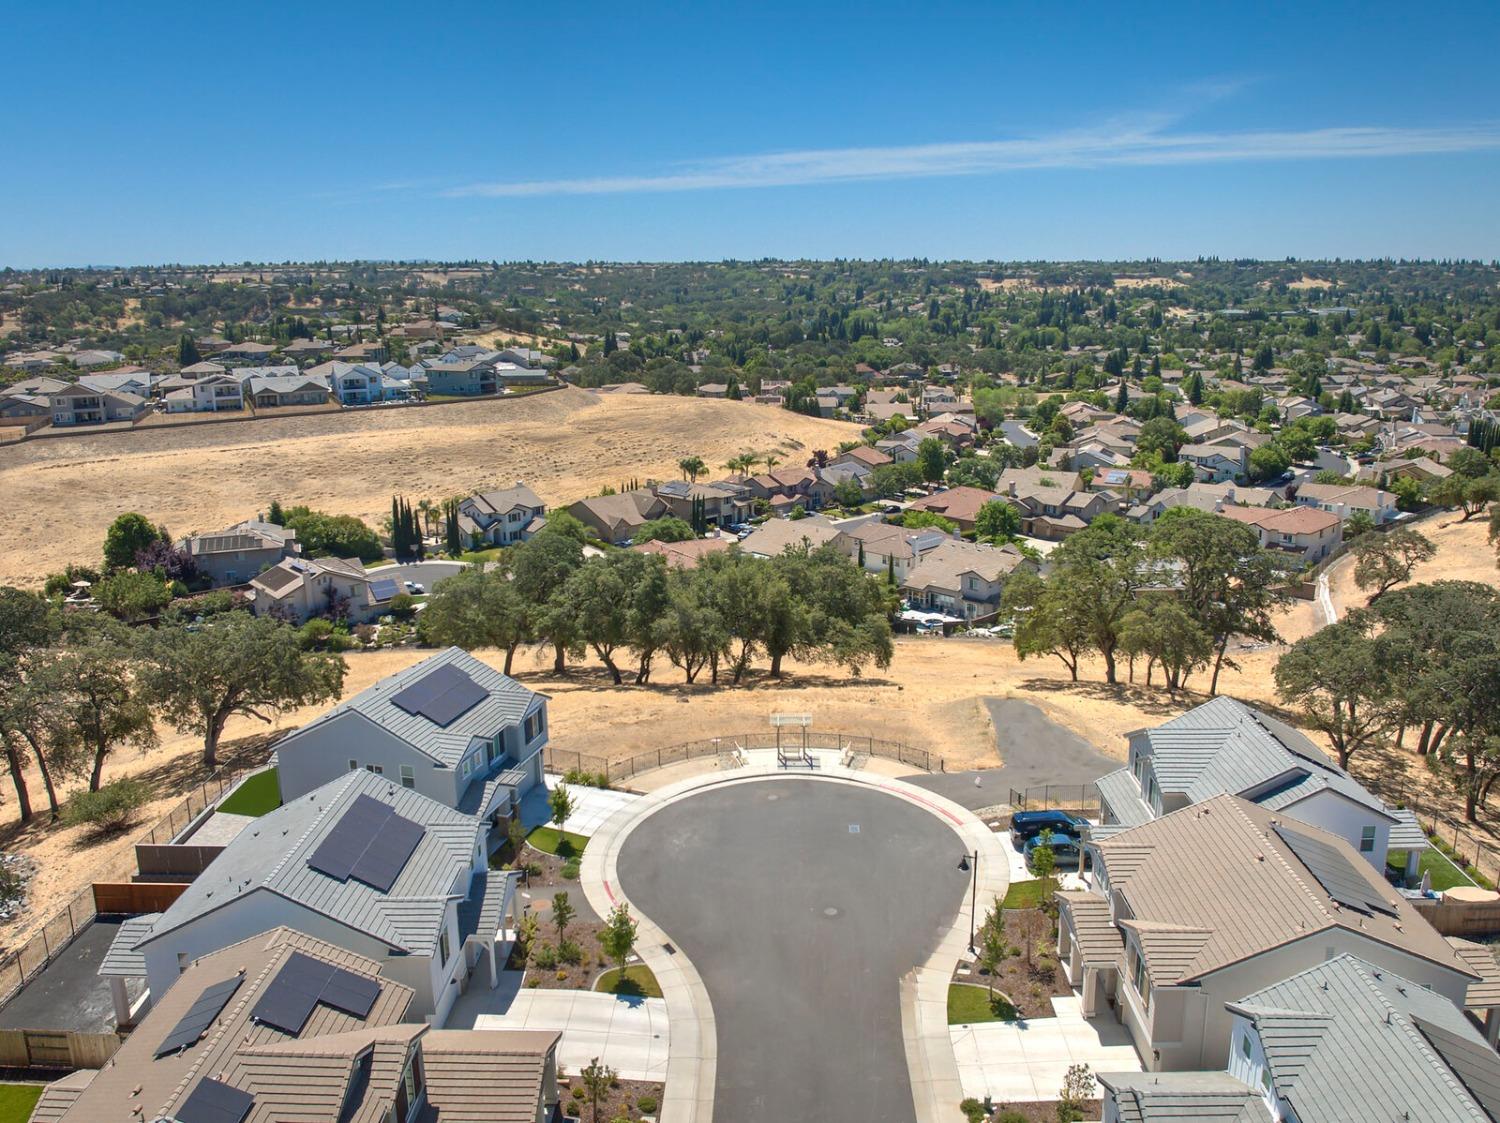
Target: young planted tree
(1383,561)
(560,800)
(199,676)
(992,946)
(618,937)
(562,914)
(597,1079)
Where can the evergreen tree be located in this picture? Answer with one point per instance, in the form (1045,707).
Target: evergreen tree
(276,514)
(1122,398)
(187,351)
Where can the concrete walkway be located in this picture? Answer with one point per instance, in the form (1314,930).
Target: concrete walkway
(692,1060)
(591,806)
(628,1034)
(1026,1061)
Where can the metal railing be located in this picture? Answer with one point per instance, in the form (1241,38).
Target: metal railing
(569,760)
(20,966)
(1055,797)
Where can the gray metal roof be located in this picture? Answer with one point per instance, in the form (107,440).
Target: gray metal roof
(1225,746)
(271,856)
(1120,790)
(122,959)
(1184,1097)
(506,703)
(1346,1040)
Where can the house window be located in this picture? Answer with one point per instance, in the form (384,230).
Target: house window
(492,749)
(353,764)
(444,950)
(375,768)
(1366,840)
(408,776)
(1245,1045)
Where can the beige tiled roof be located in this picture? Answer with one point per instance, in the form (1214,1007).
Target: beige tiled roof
(1485,994)
(1173,873)
(1098,939)
(486,1076)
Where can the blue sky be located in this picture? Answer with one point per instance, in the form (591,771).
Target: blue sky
(213,132)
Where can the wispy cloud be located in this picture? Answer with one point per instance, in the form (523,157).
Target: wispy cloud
(1140,142)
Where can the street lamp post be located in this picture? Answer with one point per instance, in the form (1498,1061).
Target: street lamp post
(963,864)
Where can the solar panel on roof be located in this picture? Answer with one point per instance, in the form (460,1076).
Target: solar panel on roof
(383,589)
(370,843)
(441,696)
(1335,873)
(302,983)
(213,1102)
(200,1015)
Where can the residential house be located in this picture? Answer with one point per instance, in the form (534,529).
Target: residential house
(526,357)
(451,727)
(1189,913)
(713,390)
(374,868)
(1053,513)
(25,407)
(961,579)
(235,555)
(1216,463)
(865,456)
(469,377)
(686,555)
(502,518)
(1306,532)
(1128,484)
(893,550)
(515,375)
(297,589)
(1225,747)
(1344,500)
(282,1025)
(959,505)
(210,393)
(1012,481)
(135,380)
(775,536)
(721,504)
(78,405)
(248,351)
(355,384)
(372,352)
(300,349)
(1423,469)
(901,448)
(44,386)
(616,518)
(276,391)
(786,488)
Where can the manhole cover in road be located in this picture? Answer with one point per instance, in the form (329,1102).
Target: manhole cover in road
(830,911)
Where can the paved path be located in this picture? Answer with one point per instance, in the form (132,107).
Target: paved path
(1026,1061)
(1036,750)
(628,1034)
(1326,609)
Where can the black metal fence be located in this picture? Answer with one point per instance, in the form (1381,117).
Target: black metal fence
(1055,797)
(570,760)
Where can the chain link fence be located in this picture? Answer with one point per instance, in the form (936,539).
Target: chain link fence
(569,760)
(21,965)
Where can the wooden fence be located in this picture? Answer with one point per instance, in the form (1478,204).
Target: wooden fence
(568,760)
(62,927)
(158,860)
(56,1049)
(131,898)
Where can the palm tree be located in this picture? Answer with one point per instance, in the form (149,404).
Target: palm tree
(692,467)
(771,461)
(426,508)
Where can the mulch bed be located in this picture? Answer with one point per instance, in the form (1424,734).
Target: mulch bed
(1029,988)
(564,976)
(623,1102)
(1045,1111)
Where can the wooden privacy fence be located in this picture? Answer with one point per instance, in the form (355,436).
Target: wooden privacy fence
(154,860)
(568,760)
(135,897)
(19,966)
(45,1048)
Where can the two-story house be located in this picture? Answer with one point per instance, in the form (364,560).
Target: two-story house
(363,863)
(80,405)
(1345,500)
(235,555)
(354,384)
(962,579)
(721,504)
(501,518)
(885,549)
(1225,747)
(296,589)
(1216,463)
(451,727)
(616,518)
(210,393)
(1307,533)
(1189,913)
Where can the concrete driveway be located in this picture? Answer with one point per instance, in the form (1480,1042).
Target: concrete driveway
(1027,1060)
(1037,751)
(427,573)
(628,1034)
(801,905)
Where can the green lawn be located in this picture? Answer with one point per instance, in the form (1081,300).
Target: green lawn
(256,796)
(564,844)
(968,1004)
(1445,875)
(1025,894)
(17,1100)
(480,557)
(638,982)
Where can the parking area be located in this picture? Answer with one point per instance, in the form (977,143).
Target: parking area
(69,994)
(801,904)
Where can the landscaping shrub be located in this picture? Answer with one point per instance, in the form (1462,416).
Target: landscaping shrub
(569,952)
(569,870)
(545,957)
(112,808)
(646,1104)
(973,1110)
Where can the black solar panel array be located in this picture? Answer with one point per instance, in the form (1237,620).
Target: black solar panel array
(1338,877)
(384,589)
(213,1102)
(442,696)
(302,983)
(200,1015)
(370,843)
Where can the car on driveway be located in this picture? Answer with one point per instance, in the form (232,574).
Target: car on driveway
(1067,851)
(415,587)
(1026,825)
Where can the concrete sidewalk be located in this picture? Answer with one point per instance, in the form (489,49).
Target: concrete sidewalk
(1026,1061)
(591,806)
(628,1034)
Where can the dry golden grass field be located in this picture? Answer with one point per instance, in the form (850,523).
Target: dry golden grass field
(62,493)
